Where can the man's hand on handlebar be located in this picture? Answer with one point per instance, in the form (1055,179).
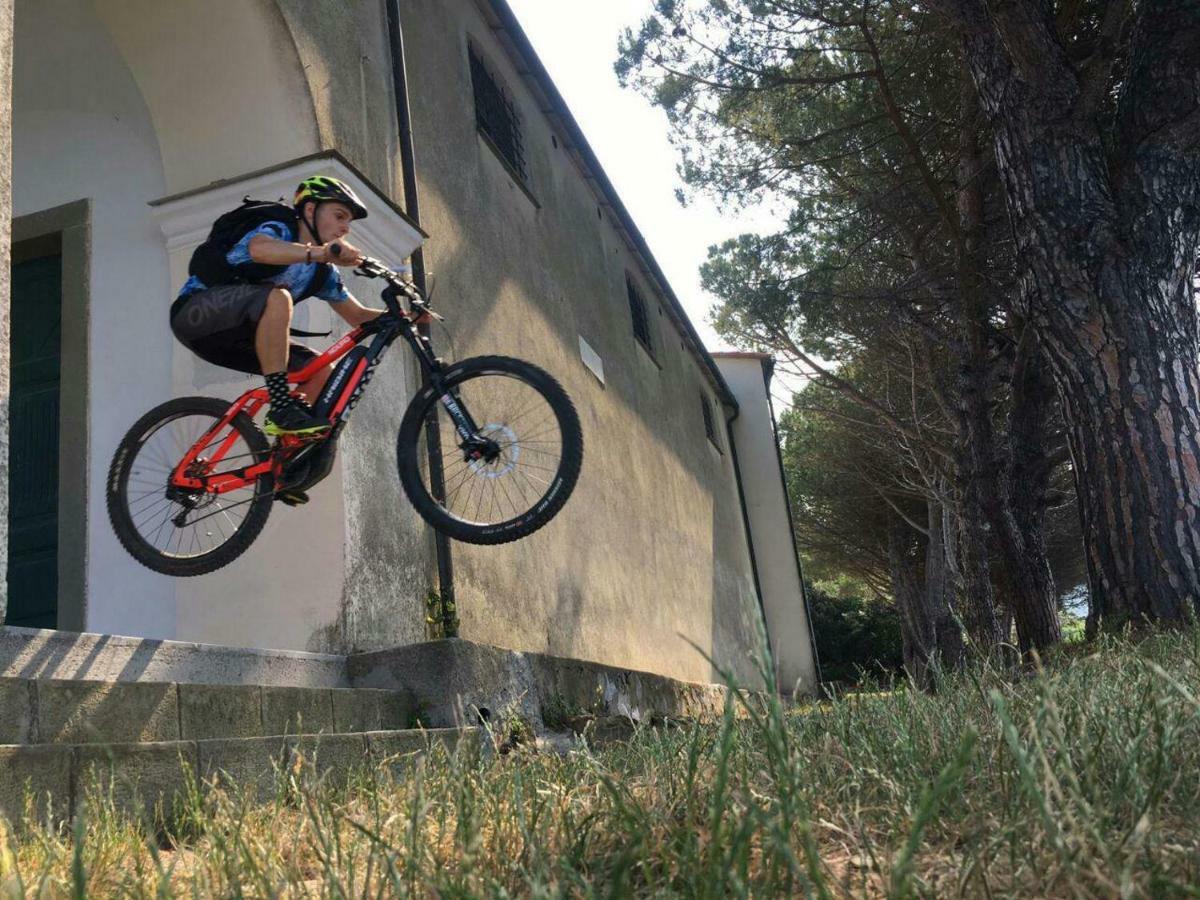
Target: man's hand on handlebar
(343,253)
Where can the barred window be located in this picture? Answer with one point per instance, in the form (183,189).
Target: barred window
(496,117)
(637,310)
(710,427)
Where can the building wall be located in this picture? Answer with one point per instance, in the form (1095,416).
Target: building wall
(649,557)
(770,526)
(647,567)
(108,105)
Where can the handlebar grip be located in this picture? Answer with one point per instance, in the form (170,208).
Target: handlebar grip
(336,249)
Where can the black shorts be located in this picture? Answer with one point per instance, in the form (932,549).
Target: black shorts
(218,325)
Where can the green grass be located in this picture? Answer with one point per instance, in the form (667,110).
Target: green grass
(1080,780)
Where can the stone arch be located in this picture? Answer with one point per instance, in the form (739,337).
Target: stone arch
(223,82)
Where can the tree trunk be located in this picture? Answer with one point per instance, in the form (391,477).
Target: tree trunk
(931,635)
(1106,245)
(976,455)
(946,630)
(1025,479)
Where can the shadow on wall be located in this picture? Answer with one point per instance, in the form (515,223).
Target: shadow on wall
(742,629)
(562,637)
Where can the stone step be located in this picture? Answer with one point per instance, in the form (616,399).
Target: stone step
(150,779)
(47,653)
(60,711)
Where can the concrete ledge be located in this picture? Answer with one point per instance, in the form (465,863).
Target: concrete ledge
(242,763)
(50,711)
(460,682)
(296,711)
(17,705)
(220,711)
(46,653)
(329,757)
(144,779)
(149,779)
(87,712)
(43,774)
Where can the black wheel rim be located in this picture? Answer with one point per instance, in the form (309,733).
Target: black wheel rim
(208,520)
(524,466)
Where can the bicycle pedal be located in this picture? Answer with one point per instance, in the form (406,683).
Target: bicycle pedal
(292,498)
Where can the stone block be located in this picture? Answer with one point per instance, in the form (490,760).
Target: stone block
(144,779)
(16,711)
(385,745)
(47,653)
(453,682)
(296,710)
(243,763)
(208,711)
(43,772)
(399,749)
(397,710)
(87,712)
(355,711)
(397,752)
(329,757)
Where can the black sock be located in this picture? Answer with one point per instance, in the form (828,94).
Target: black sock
(278,390)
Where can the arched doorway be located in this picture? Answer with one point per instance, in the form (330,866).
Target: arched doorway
(117,103)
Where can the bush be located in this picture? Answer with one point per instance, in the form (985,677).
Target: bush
(855,635)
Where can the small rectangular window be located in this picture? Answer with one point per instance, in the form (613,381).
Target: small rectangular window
(637,311)
(496,117)
(710,426)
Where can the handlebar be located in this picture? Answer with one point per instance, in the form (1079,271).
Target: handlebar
(367,267)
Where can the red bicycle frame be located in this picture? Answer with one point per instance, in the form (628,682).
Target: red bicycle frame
(192,473)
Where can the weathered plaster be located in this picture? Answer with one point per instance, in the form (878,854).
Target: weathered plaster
(648,561)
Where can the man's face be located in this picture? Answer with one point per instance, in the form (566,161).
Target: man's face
(333,220)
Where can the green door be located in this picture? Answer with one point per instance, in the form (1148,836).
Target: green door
(36,353)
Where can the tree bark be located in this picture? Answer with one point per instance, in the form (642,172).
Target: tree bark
(1106,244)
(980,463)
(930,633)
(1023,484)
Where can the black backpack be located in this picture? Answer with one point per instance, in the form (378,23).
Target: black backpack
(208,260)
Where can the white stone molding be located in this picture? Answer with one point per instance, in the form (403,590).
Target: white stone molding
(186,219)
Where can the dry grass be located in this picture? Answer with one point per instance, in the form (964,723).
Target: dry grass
(1082,780)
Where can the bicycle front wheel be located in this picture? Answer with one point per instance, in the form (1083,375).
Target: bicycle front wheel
(519,468)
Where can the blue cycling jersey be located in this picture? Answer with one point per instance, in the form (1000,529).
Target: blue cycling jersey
(295,278)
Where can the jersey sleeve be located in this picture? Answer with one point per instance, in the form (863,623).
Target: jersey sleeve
(334,289)
(240,254)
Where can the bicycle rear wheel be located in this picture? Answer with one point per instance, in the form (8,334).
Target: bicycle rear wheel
(532,460)
(173,531)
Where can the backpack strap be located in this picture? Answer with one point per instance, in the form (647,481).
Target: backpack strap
(299,332)
(320,278)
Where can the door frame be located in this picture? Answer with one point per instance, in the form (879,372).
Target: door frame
(72,224)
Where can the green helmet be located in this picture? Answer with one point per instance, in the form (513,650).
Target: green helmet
(320,188)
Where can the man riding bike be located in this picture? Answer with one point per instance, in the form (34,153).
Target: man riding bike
(235,310)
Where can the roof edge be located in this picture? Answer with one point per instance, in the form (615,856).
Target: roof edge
(508,23)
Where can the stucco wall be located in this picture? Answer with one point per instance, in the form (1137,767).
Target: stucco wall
(108,106)
(81,130)
(649,556)
(766,505)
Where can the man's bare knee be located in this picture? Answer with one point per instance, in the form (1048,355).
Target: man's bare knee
(280,298)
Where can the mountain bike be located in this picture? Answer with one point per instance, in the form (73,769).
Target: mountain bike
(488,451)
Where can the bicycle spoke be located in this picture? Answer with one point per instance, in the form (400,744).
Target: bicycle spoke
(153,513)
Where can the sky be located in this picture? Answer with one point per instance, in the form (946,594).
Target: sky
(577,42)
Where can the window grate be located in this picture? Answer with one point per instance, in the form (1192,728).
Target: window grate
(710,428)
(637,310)
(496,117)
